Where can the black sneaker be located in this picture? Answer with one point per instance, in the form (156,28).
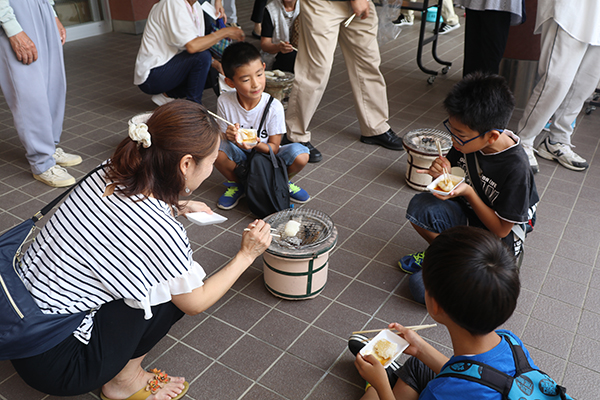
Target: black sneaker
(388,139)
(401,20)
(445,28)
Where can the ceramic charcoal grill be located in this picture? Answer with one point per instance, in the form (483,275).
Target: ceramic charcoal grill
(295,268)
(421,150)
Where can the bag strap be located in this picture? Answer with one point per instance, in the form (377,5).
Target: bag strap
(264,116)
(40,214)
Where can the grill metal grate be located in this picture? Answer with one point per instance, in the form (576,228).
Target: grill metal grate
(423,140)
(315,228)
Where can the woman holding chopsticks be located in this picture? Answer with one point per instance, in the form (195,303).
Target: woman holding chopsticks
(115,250)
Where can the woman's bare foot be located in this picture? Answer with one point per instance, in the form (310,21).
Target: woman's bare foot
(117,389)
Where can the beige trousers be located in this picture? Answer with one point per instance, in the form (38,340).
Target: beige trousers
(321,28)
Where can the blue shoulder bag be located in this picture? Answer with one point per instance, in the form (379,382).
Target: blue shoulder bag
(25,331)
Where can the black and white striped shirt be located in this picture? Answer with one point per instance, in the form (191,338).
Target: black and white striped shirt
(96,249)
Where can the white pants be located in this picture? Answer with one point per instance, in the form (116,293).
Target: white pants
(569,73)
(35,93)
(321,27)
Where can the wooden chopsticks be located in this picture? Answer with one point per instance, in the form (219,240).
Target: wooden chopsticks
(439,147)
(414,328)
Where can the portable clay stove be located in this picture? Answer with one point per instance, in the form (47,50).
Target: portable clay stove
(295,266)
(421,150)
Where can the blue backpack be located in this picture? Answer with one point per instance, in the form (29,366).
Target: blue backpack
(527,384)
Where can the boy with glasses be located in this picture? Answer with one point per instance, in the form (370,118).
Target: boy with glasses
(499,192)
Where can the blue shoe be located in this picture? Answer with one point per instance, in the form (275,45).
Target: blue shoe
(298,194)
(412,262)
(231,197)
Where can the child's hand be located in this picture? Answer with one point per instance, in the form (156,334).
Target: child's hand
(372,371)
(415,341)
(233,134)
(285,47)
(437,167)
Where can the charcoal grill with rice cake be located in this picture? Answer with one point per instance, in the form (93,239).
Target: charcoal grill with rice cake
(421,150)
(295,268)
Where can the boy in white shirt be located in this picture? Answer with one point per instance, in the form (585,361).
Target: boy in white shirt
(245,71)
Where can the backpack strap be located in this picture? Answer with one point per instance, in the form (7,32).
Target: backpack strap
(264,116)
(474,171)
(481,373)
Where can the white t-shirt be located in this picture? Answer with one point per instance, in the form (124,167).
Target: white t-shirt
(229,108)
(96,249)
(169,27)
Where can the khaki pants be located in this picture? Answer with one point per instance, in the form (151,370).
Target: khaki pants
(321,27)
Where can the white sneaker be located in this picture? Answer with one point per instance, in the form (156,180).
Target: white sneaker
(65,159)
(56,177)
(445,28)
(563,154)
(535,167)
(160,99)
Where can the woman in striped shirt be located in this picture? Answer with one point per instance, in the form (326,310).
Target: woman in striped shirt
(115,250)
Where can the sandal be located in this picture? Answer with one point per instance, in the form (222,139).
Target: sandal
(154,385)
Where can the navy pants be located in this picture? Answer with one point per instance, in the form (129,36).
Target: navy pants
(184,77)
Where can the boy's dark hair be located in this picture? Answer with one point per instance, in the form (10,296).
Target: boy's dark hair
(473,277)
(236,55)
(481,101)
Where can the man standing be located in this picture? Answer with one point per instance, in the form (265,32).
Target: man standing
(32,78)
(321,27)
(569,70)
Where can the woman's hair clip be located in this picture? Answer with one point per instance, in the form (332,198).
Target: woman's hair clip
(139,134)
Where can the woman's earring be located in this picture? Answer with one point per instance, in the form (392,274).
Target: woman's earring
(187,189)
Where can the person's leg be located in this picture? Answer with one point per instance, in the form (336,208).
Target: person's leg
(448,14)
(184,76)
(583,86)
(120,334)
(486,33)
(25,88)
(359,45)
(228,158)
(432,215)
(257,16)
(230,11)
(560,58)
(413,377)
(285,62)
(295,156)
(319,28)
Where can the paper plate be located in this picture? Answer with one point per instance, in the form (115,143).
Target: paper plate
(390,336)
(202,218)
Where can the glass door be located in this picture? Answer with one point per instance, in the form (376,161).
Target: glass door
(83,18)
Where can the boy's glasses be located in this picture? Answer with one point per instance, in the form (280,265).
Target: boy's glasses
(463,142)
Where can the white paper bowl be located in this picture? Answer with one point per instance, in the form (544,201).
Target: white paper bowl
(457,180)
(390,336)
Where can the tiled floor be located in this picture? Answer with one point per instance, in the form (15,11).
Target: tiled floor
(252,345)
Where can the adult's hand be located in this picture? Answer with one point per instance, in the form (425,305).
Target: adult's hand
(360,8)
(234,33)
(256,239)
(194,206)
(61,31)
(24,48)
(220,10)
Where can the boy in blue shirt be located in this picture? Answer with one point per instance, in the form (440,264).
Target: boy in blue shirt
(471,286)
(499,192)
(245,106)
